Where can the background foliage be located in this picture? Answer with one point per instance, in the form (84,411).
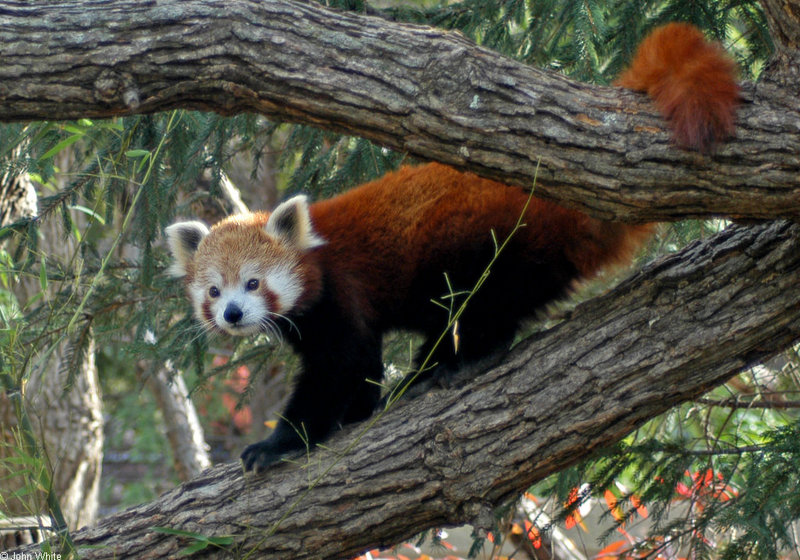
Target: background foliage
(716,477)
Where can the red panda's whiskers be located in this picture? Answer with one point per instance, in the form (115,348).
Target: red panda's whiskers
(291,323)
(272,330)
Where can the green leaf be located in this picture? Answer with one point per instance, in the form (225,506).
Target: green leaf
(43,274)
(201,541)
(61,145)
(144,154)
(88,212)
(196,547)
(137,153)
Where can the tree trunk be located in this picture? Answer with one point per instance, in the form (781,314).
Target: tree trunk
(431,93)
(669,333)
(183,430)
(66,420)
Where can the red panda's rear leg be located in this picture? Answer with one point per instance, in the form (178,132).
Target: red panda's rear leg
(470,349)
(470,340)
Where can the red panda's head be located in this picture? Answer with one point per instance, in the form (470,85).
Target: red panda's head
(248,269)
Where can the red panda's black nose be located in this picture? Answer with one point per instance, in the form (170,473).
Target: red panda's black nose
(233,314)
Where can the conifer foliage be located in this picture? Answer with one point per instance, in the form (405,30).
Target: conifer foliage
(717,477)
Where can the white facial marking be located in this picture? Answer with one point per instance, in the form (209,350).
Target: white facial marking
(286,286)
(239,311)
(198,291)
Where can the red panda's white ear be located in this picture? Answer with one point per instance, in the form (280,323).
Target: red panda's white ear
(291,221)
(183,239)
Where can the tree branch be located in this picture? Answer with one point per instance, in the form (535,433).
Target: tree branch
(433,94)
(669,333)
(783,17)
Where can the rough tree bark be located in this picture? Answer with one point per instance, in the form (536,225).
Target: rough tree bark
(431,93)
(674,330)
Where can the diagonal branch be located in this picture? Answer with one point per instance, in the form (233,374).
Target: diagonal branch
(433,94)
(672,331)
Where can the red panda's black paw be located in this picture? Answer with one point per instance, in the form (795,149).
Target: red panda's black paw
(259,456)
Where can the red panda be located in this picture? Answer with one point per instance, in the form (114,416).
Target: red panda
(334,276)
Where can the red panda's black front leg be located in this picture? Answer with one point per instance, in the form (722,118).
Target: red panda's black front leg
(338,384)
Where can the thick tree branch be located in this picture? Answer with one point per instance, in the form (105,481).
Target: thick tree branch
(783,17)
(431,93)
(672,331)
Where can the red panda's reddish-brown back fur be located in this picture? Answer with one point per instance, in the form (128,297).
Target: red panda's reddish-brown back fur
(333,277)
(388,232)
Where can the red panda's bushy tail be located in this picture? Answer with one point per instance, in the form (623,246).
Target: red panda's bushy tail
(691,81)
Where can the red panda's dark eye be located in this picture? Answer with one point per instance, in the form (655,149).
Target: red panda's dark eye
(213,292)
(252,284)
